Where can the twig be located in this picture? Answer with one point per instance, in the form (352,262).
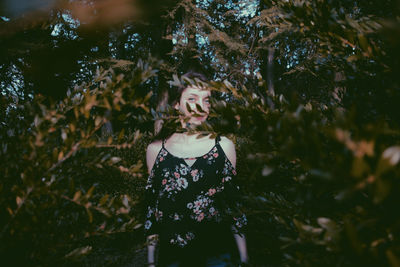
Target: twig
(74,148)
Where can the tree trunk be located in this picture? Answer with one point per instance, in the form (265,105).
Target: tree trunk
(270,71)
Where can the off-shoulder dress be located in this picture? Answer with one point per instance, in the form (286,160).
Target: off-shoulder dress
(193,207)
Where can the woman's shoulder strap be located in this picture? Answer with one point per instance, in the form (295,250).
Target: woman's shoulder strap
(163,142)
(217,139)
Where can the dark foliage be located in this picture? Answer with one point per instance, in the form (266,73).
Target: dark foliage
(317,141)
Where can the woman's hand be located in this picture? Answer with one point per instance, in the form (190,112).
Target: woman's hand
(244,258)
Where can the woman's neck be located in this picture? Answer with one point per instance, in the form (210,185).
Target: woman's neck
(185,138)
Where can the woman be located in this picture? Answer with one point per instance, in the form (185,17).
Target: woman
(193,210)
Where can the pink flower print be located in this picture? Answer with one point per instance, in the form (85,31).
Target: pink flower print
(197,203)
(197,210)
(161,158)
(234,172)
(211,191)
(200,217)
(223,180)
(164,181)
(205,156)
(158,214)
(194,172)
(177,175)
(215,155)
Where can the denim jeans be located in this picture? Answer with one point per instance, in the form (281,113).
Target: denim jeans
(222,260)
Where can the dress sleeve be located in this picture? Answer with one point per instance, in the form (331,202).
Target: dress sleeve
(232,198)
(151,205)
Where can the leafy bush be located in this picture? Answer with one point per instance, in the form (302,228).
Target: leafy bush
(66,176)
(318,157)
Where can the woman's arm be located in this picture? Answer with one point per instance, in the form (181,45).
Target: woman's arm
(242,247)
(152,241)
(151,154)
(229,148)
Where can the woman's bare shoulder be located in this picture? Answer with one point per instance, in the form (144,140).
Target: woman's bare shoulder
(229,148)
(154,146)
(152,152)
(226,142)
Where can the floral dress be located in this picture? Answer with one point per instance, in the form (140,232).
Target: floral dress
(192,207)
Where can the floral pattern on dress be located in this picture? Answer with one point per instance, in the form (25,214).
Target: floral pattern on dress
(149,184)
(153,215)
(176,216)
(231,191)
(196,174)
(181,240)
(161,156)
(183,197)
(211,156)
(201,208)
(174,180)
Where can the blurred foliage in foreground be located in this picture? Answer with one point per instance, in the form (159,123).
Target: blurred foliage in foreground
(318,155)
(67,175)
(319,188)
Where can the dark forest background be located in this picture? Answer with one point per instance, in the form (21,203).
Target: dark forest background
(308,90)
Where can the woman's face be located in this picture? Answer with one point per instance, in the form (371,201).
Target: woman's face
(193,96)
